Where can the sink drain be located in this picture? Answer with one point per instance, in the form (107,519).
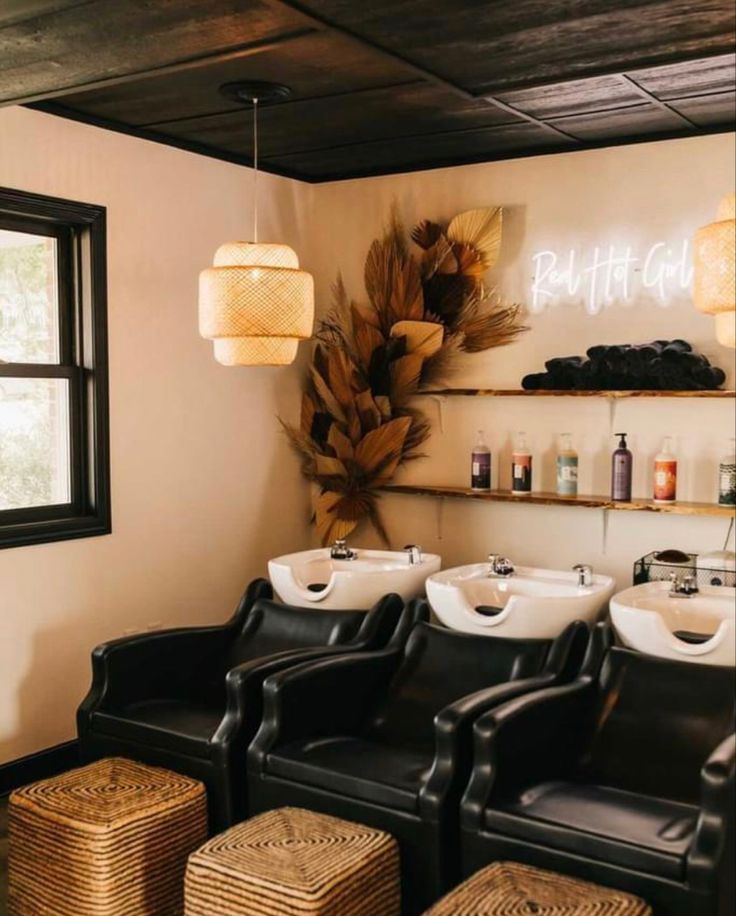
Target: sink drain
(488,610)
(317,587)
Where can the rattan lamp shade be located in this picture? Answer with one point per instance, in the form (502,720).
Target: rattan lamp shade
(255,304)
(714,281)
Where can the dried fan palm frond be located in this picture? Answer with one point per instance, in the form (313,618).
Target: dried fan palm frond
(469,261)
(438,369)
(342,376)
(368,339)
(496,328)
(330,526)
(309,409)
(426,234)
(423,338)
(368,411)
(330,402)
(407,298)
(480,228)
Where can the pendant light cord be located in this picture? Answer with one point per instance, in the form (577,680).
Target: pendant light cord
(255,171)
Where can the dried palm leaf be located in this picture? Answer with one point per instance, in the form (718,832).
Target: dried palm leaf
(367,340)
(405,373)
(384,405)
(325,395)
(480,228)
(309,409)
(341,376)
(327,466)
(379,444)
(497,328)
(340,443)
(368,411)
(426,234)
(353,426)
(469,261)
(438,370)
(407,299)
(329,526)
(423,338)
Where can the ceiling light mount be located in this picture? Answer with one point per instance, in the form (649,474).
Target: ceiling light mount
(248,91)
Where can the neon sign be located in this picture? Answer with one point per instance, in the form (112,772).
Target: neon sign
(611,274)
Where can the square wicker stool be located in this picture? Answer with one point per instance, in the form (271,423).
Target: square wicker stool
(109,839)
(291,862)
(511,889)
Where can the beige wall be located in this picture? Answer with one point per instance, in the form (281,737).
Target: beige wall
(630,195)
(204,488)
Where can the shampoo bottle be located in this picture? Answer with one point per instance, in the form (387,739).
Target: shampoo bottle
(521,467)
(727,477)
(567,467)
(621,471)
(480,472)
(665,474)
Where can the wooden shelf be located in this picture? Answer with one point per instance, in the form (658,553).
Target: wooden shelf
(572,393)
(552,499)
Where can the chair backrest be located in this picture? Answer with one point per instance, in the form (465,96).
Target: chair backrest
(272,627)
(440,666)
(655,722)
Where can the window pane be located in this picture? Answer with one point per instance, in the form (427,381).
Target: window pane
(29,308)
(34,442)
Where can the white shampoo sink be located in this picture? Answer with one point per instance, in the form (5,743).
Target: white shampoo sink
(532,603)
(313,577)
(695,629)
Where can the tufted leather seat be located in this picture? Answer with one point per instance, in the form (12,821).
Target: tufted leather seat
(190,699)
(383,738)
(624,777)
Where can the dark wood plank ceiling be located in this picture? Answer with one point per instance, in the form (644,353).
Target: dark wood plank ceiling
(378,86)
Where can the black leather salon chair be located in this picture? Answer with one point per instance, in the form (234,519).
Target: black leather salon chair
(385,738)
(624,777)
(190,699)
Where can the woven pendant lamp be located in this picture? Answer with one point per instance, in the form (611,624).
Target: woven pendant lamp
(714,279)
(254,302)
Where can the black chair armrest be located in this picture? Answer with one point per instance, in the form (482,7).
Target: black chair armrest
(536,736)
(244,690)
(160,664)
(330,696)
(714,834)
(453,725)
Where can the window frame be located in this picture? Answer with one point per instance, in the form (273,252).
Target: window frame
(80,232)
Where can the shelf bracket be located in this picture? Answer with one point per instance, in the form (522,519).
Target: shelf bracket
(440,517)
(604,531)
(440,400)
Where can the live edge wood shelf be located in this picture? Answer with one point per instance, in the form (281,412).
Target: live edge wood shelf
(552,499)
(572,393)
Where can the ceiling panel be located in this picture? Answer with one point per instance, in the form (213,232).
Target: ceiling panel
(716,74)
(508,44)
(417,108)
(316,64)
(411,152)
(559,99)
(104,39)
(709,110)
(632,122)
(378,86)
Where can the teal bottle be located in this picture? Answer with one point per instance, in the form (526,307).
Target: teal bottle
(567,467)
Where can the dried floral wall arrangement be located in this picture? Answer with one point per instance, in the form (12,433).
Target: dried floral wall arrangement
(426,307)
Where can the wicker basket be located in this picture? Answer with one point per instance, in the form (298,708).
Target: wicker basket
(109,839)
(510,889)
(292,862)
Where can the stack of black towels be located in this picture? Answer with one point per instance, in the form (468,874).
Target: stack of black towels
(663,365)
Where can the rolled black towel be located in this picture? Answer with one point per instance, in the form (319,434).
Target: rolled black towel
(564,363)
(597,352)
(532,382)
(710,377)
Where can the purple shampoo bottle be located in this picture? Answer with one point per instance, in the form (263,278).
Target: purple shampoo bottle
(621,471)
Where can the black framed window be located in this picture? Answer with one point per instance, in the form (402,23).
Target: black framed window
(54,422)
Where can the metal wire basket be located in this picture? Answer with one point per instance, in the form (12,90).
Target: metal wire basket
(649,569)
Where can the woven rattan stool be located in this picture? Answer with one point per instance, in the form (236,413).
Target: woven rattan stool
(510,889)
(109,839)
(291,862)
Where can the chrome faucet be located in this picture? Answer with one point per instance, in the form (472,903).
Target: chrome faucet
(683,586)
(585,574)
(341,551)
(500,567)
(414,552)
